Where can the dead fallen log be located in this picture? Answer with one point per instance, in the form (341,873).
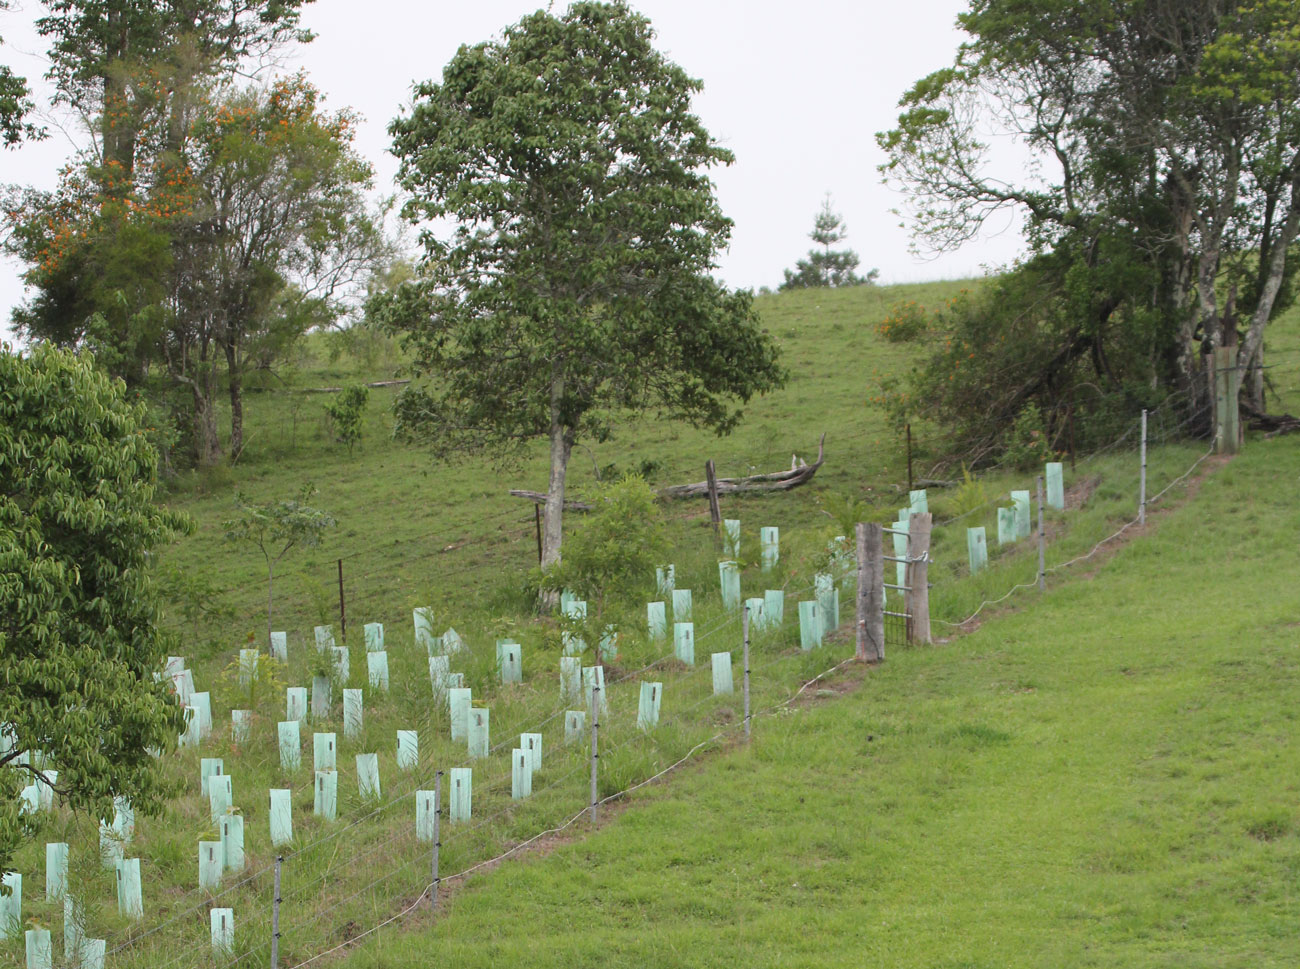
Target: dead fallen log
(373,383)
(1272,424)
(753,484)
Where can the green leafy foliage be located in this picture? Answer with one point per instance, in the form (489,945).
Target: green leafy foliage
(79,641)
(346,413)
(577,285)
(907,321)
(274,529)
(827,267)
(613,552)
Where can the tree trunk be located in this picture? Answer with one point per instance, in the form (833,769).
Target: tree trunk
(270,586)
(207,443)
(552,515)
(236,382)
(1252,348)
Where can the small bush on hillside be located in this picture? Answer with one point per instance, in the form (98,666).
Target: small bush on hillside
(1026,443)
(904,323)
(345,414)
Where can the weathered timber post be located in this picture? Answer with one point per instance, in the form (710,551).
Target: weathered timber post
(1142,477)
(871,592)
(918,577)
(715,510)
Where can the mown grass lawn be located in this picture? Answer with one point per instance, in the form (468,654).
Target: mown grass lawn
(1106,777)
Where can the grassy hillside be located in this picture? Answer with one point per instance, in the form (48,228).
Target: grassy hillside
(412,533)
(1104,778)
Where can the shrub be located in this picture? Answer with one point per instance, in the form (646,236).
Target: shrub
(905,322)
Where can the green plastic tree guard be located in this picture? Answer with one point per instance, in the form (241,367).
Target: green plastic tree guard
(455,681)
(917,503)
(769,540)
(511,658)
(459,699)
(280,647)
(904,514)
(423,619)
(1006,526)
(1021,501)
(479,745)
(681,605)
(342,663)
(900,552)
(593,677)
(324,751)
(290,737)
(232,842)
(241,721)
(209,767)
(451,641)
(111,847)
(183,682)
(1055,475)
(575,725)
(439,668)
(656,617)
(11,906)
(609,644)
(321,700)
(835,607)
(461,786)
(424,812)
(211,865)
(40,949)
(824,589)
(130,899)
(123,818)
(729,579)
(326,803)
(56,869)
(202,702)
(647,716)
(572,645)
(567,598)
(570,676)
(576,609)
(220,796)
(377,670)
(368,775)
(810,625)
(354,707)
(684,642)
(281,816)
(374,633)
(73,924)
(532,742)
(721,673)
(521,774)
(295,703)
(324,638)
(92,953)
(666,580)
(977,549)
(773,608)
(731,537)
(247,666)
(223,930)
(756,617)
(408,749)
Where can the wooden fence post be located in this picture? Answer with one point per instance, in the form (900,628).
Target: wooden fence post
(918,577)
(871,599)
(715,510)
(1227,428)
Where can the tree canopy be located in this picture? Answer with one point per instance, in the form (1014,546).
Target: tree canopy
(1164,199)
(576,285)
(79,643)
(827,267)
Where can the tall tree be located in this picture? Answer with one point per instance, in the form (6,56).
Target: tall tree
(227,253)
(15,101)
(576,285)
(1167,140)
(827,267)
(79,642)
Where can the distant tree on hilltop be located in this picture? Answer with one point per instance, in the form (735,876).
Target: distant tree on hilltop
(827,266)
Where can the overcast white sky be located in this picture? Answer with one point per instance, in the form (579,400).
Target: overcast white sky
(795,90)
